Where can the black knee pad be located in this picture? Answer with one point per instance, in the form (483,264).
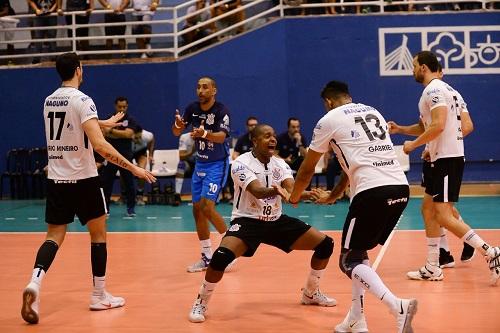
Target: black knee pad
(221,258)
(350,259)
(324,249)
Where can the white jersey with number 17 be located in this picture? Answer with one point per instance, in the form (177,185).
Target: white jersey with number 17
(70,153)
(359,137)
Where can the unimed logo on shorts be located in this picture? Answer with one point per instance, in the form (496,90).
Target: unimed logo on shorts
(460,49)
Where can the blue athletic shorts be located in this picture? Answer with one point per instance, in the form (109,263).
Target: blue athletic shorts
(208,179)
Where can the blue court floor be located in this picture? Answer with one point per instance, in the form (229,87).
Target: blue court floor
(28,216)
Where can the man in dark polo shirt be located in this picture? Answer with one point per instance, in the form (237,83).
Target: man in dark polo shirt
(292,145)
(121,139)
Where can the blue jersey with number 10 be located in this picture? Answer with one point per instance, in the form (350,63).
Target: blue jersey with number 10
(215,119)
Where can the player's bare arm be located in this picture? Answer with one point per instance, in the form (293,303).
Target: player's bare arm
(435,129)
(329,197)
(106,150)
(466,123)
(304,175)
(179,124)
(260,191)
(113,121)
(413,130)
(215,137)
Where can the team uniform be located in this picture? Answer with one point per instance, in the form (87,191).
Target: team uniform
(141,148)
(73,184)
(212,159)
(257,221)
(359,137)
(447,150)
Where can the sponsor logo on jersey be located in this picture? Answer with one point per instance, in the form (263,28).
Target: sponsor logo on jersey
(435,99)
(372,149)
(395,201)
(226,120)
(60,181)
(383,163)
(242,177)
(84,98)
(238,169)
(201,174)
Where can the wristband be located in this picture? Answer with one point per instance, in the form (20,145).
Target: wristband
(205,133)
(175,124)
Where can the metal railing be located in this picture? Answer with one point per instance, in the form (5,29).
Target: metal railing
(167,39)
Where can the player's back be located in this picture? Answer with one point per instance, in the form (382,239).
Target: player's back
(70,153)
(360,138)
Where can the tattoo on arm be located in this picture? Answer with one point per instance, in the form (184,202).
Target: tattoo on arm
(116,160)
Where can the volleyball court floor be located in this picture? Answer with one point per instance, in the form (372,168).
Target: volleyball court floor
(148,255)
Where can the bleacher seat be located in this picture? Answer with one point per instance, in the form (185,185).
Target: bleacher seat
(165,162)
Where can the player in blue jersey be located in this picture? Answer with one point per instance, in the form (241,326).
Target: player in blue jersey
(210,130)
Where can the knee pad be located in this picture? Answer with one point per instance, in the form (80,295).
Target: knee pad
(350,259)
(221,259)
(324,249)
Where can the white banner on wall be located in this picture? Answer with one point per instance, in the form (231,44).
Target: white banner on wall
(460,49)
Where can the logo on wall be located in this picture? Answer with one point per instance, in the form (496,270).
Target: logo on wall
(461,50)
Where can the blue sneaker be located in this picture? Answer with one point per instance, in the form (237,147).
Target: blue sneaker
(131,212)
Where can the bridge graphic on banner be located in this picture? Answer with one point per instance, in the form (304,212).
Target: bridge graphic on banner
(460,49)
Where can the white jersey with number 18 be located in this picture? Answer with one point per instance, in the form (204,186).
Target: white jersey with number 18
(359,137)
(70,153)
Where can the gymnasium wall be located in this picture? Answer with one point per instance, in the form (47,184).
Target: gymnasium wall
(278,71)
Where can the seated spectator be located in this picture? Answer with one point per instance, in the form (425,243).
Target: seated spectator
(292,145)
(143,146)
(79,5)
(118,6)
(186,160)
(143,12)
(42,9)
(231,19)
(191,21)
(7,22)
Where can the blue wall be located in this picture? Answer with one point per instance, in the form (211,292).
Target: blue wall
(273,73)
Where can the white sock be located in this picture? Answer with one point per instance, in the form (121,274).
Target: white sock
(433,250)
(206,290)
(312,283)
(368,279)
(443,241)
(206,248)
(99,285)
(37,275)
(178,184)
(475,241)
(358,299)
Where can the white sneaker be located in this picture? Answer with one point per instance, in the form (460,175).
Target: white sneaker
(197,314)
(200,265)
(352,325)
(144,56)
(427,273)
(105,301)
(317,298)
(31,303)
(493,259)
(404,316)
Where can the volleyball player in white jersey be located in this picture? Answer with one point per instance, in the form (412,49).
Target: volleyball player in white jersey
(379,194)
(260,181)
(446,260)
(440,128)
(73,188)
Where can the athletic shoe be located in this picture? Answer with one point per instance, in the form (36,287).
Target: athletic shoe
(131,212)
(352,325)
(197,314)
(467,253)
(493,259)
(427,273)
(446,259)
(317,298)
(105,301)
(31,303)
(200,265)
(404,315)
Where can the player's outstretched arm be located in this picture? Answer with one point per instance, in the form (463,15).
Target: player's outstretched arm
(113,121)
(412,130)
(304,175)
(329,197)
(106,150)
